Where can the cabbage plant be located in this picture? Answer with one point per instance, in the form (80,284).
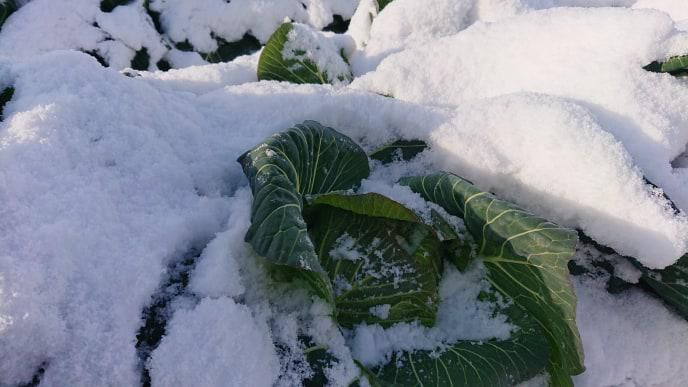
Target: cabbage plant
(304,183)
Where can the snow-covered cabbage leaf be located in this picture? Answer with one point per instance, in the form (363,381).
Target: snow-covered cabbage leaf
(6,8)
(383,261)
(398,150)
(670,283)
(526,257)
(492,363)
(292,54)
(306,159)
(676,65)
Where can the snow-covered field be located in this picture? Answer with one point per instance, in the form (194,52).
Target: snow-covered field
(120,190)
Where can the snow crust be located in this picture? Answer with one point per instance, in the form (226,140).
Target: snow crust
(106,180)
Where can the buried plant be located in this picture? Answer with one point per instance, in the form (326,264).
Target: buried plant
(306,220)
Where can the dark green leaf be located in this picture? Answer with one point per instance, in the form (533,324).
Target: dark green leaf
(98,57)
(155,17)
(319,359)
(492,363)
(227,51)
(5,97)
(459,252)
(671,284)
(676,65)
(338,25)
(366,374)
(272,65)
(306,159)
(6,8)
(398,150)
(109,5)
(141,60)
(184,46)
(382,4)
(163,65)
(445,231)
(383,260)
(526,257)
(371,204)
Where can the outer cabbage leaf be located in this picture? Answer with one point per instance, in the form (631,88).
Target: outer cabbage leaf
(492,363)
(384,262)
(526,257)
(306,159)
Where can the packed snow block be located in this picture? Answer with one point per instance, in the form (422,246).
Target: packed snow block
(591,125)
(217,343)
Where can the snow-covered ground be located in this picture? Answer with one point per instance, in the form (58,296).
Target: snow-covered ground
(107,181)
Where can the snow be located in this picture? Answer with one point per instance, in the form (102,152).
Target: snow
(675,8)
(200,348)
(107,180)
(630,340)
(204,79)
(381,311)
